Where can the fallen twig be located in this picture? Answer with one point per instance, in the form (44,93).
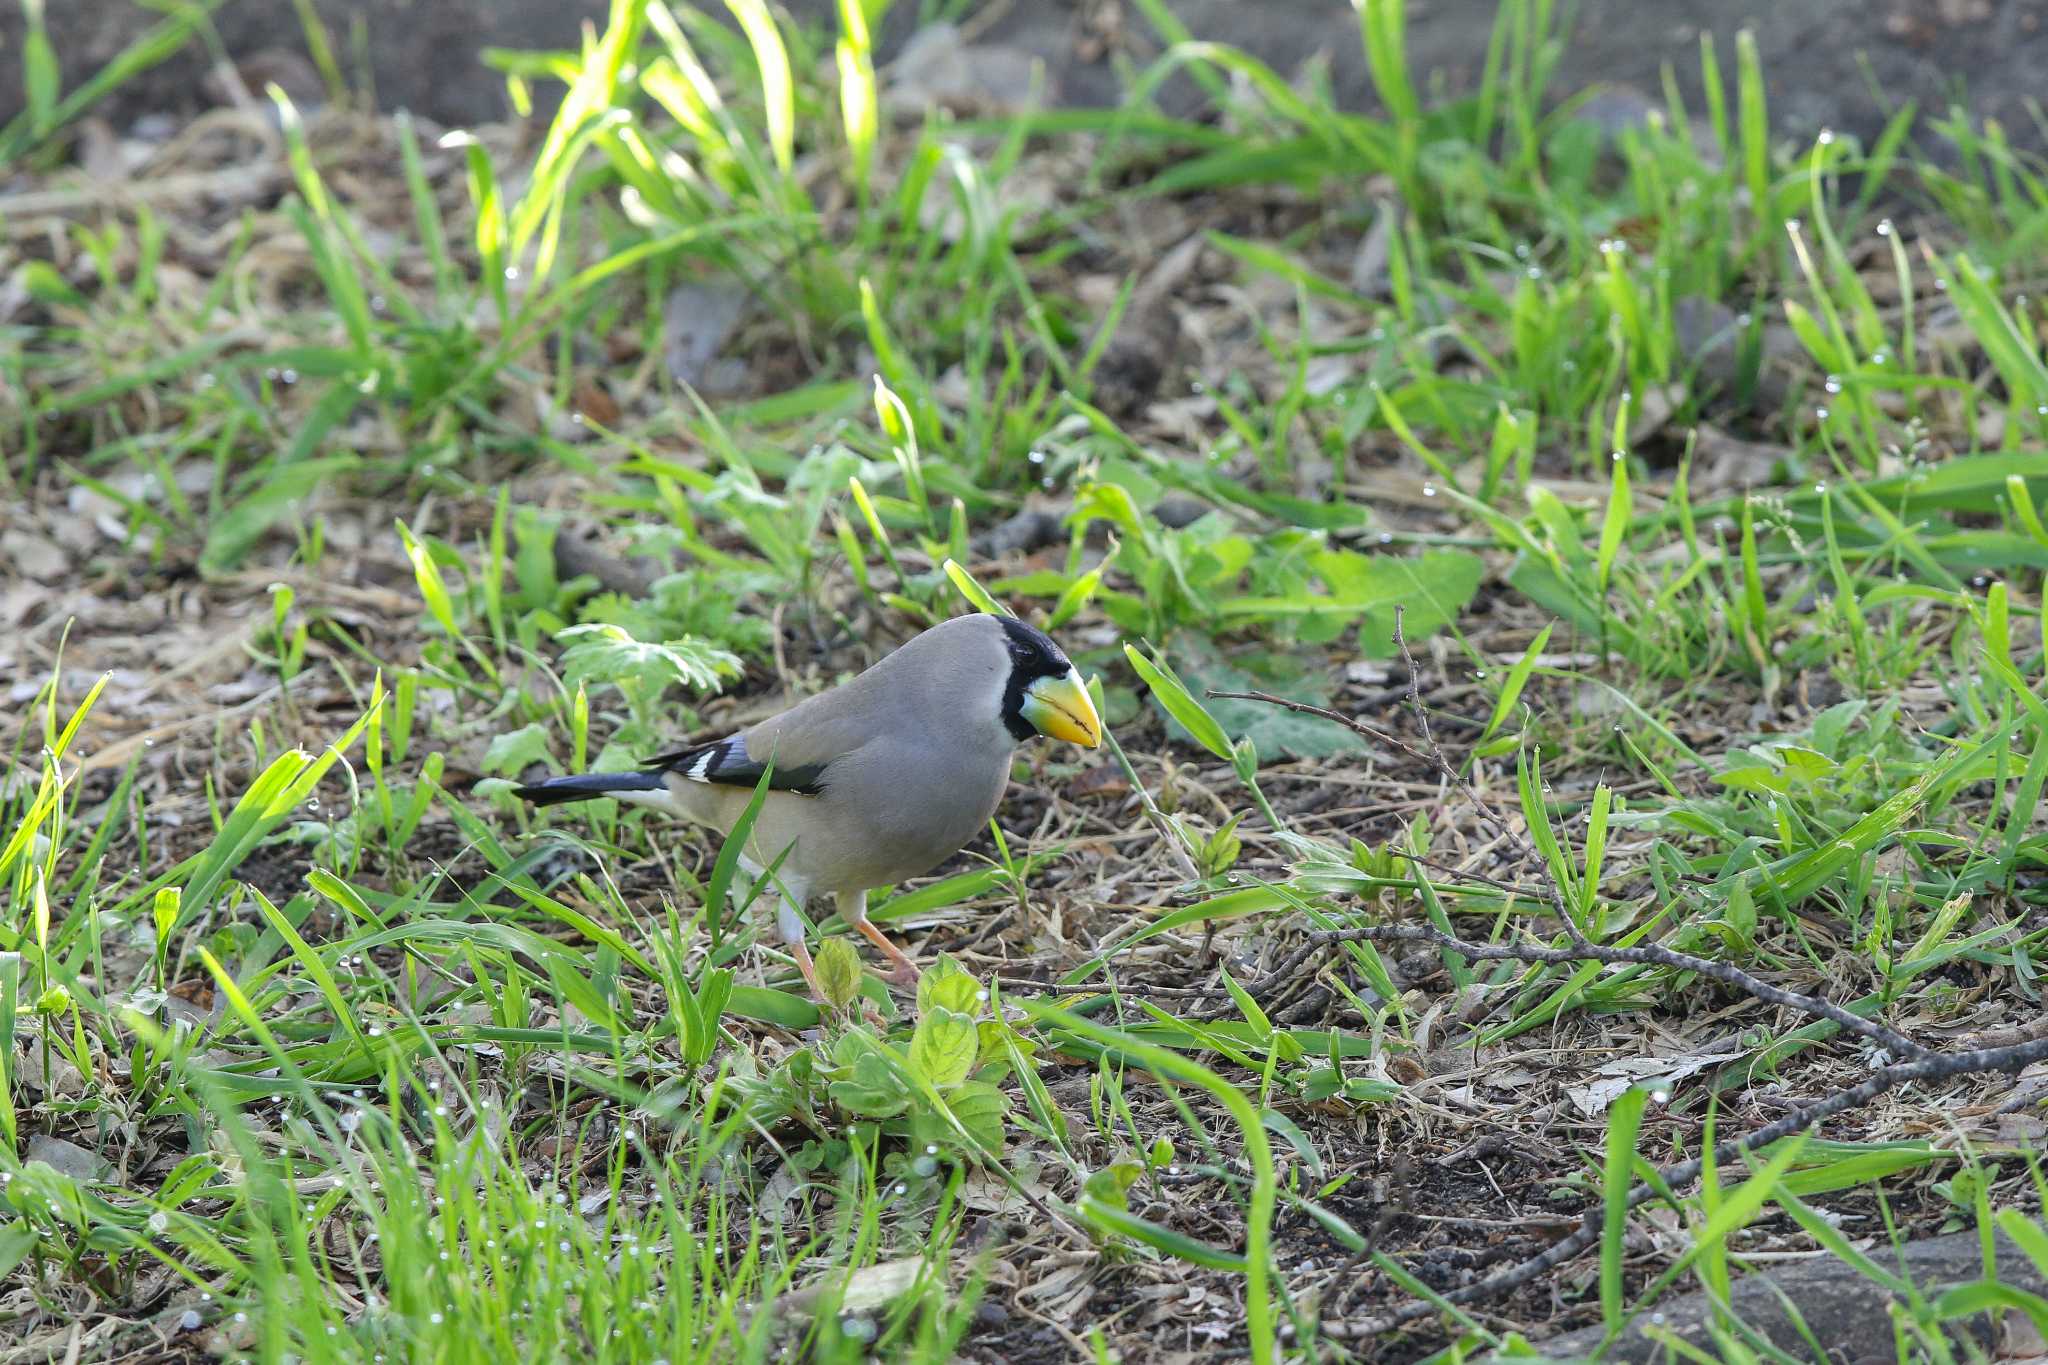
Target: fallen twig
(1647,955)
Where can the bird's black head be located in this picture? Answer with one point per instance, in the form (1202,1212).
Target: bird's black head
(1033,656)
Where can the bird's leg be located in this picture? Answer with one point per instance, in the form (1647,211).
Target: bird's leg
(853,908)
(791,926)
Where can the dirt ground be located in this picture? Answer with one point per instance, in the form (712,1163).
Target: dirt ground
(1830,63)
(1485,1162)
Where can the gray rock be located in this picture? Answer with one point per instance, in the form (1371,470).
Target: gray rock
(1841,1308)
(65,1158)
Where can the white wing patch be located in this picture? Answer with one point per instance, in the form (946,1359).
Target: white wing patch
(724,763)
(700,771)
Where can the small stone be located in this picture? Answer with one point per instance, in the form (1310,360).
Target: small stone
(34,556)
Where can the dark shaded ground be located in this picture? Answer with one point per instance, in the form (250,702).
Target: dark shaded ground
(1829,63)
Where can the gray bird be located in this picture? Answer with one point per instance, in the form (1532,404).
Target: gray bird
(881,778)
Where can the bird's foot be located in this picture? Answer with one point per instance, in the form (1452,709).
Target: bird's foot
(904,973)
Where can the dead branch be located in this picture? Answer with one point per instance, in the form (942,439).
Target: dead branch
(1645,955)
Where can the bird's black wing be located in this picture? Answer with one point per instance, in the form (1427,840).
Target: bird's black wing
(724,763)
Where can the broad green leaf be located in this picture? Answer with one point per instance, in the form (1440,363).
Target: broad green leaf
(511,752)
(1274,731)
(945,985)
(943,1048)
(838,967)
(978,1107)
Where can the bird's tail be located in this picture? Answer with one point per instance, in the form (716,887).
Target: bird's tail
(649,787)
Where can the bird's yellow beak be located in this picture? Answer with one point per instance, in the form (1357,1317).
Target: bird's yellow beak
(1060,708)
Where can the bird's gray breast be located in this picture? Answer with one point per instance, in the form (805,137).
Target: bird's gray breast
(907,807)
